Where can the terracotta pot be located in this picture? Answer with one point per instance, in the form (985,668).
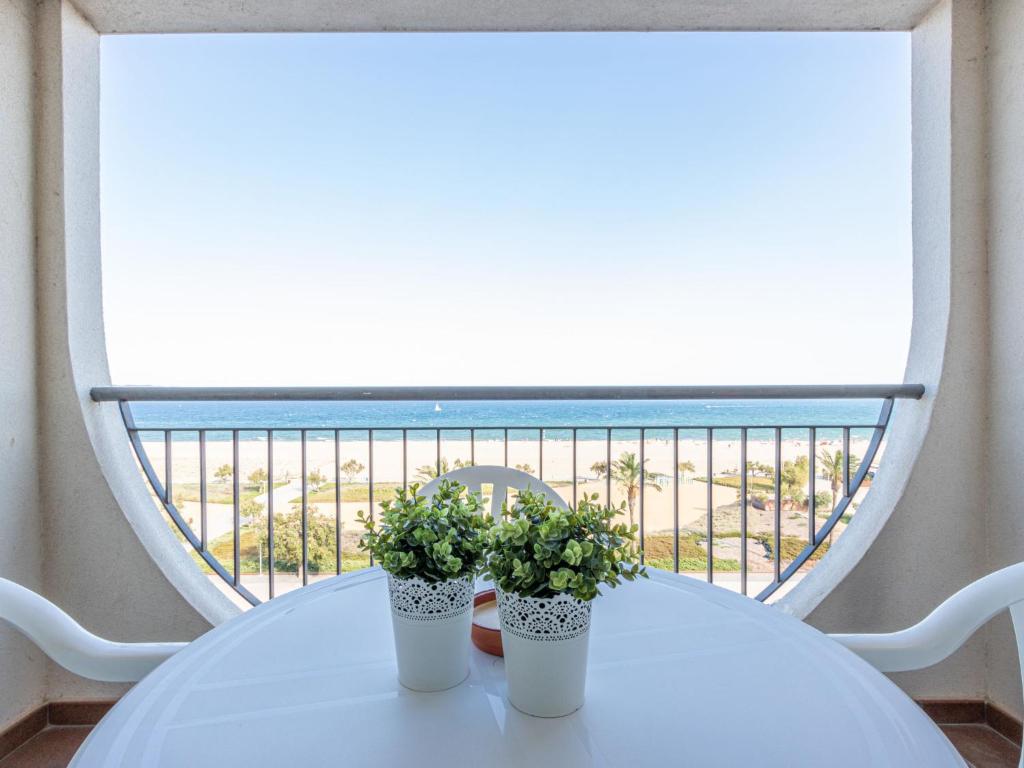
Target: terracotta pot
(487,639)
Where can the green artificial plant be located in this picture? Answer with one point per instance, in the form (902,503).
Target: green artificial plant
(540,550)
(436,539)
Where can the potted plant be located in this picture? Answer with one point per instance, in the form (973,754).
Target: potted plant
(431,549)
(547,564)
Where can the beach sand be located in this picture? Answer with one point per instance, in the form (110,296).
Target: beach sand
(658,510)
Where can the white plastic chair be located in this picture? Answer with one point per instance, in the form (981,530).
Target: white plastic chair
(501,478)
(72,646)
(947,627)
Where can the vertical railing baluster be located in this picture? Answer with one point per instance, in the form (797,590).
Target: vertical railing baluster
(168,479)
(743,510)
(270,512)
(438,468)
(777,554)
(643,484)
(506,446)
(405,459)
(574,467)
(202,489)
(472,447)
(369,477)
(846,461)
(711,506)
(305,513)
(337,502)
(540,462)
(812,508)
(608,466)
(675,500)
(236,506)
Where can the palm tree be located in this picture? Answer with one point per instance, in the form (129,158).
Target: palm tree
(686,467)
(831,463)
(626,472)
(428,472)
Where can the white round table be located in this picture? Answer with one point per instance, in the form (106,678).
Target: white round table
(681,673)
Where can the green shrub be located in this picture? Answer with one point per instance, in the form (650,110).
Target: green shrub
(437,539)
(540,550)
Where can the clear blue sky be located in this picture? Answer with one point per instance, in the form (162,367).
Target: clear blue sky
(487,209)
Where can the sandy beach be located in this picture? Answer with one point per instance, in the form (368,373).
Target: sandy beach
(387,462)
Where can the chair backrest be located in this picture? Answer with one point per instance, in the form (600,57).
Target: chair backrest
(73,647)
(501,479)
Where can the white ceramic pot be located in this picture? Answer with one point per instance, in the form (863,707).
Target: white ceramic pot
(545,642)
(432,622)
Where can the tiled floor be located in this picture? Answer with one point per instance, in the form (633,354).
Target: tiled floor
(53,747)
(981,746)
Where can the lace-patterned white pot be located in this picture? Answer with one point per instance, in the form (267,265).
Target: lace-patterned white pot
(432,622)
(545,641)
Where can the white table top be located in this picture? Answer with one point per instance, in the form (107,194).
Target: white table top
(681,673)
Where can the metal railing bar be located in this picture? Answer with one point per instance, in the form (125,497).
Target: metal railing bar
(675,501)
(873,445)
(369,472)
(438,468)
(337,501)
(506,446)
(168,480)
(540,461)
(499,428)
(711,504)
(405,459)
(656,392)
(305,513)
(812,455)
(743,511)
(236,509)
(846,461)
(270,512)
(776,554)
(202,489)
(643,485)
(574,477)
(472,446)
(608,465)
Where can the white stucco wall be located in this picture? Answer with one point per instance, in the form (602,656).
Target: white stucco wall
(933,542)
(1006,289)
(96,566)
(22,665)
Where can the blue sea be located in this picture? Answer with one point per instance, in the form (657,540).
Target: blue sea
(590,418)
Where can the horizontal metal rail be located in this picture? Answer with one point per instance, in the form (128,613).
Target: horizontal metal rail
(394,394)
(431,428)
(822,461)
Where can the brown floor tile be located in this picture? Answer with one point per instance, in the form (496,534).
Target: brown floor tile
(22,731)
(79,712)
(980,746)
(953,712)
(1003,723)
(52,748)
